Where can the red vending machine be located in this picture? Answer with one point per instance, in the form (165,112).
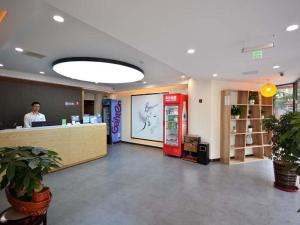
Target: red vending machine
(175,123)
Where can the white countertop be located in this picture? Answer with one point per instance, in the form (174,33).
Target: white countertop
(50,127)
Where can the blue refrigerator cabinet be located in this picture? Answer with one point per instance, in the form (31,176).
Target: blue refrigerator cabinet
(111,114)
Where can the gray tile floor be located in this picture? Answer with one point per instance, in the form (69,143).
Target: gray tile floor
(136,185)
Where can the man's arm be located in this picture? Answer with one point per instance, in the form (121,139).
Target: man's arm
(26,121)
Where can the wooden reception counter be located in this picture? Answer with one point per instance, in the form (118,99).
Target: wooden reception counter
(74,144)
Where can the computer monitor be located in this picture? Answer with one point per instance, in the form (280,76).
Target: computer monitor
(93,119)
(39,124)
(86,118)
(75,118)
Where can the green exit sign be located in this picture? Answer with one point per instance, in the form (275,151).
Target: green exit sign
(257,54)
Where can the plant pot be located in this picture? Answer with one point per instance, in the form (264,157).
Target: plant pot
(41,196)
(250,130)
(236,117)
(262,116)
(28,208)
(285,180)
(251,102)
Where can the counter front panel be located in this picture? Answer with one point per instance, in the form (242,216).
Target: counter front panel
(74,144)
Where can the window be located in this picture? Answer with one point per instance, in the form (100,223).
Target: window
(298,96)
(284,99)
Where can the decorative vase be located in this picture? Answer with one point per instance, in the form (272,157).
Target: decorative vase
(249,140)
(234,130)
(262,116)
(41,196)
(285,180)
(252,102)
(236,117)
(250,130)
(28,208)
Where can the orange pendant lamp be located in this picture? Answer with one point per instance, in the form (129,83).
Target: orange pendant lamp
(268,90)
(2,14)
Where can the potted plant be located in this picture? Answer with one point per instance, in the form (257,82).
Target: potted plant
(249,113)
(263,113)
(23,169)
(236,112)
(250,128)
(234,129)
(285,149)
(252,99)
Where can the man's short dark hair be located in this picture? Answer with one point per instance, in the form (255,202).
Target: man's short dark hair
(35,103)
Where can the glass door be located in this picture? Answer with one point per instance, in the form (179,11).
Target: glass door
(171,126)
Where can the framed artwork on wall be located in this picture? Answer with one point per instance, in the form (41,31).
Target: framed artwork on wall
(147,117)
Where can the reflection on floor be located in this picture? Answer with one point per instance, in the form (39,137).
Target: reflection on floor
(137,185)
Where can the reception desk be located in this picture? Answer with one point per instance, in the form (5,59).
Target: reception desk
(74,144)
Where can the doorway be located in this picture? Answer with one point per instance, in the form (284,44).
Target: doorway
(89,107)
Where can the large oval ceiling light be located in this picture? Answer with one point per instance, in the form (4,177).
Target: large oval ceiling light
(98,70)
(268,90)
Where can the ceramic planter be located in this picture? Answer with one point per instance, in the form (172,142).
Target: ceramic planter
(285,180)
(41,196)
(29,208)
(236,116)
(252,101)
(250,130)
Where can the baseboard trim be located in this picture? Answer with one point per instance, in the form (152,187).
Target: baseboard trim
(132,143)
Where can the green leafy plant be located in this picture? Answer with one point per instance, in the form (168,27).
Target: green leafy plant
(250,126)
(285,139)
(23,169)
(235,111)
(253,97)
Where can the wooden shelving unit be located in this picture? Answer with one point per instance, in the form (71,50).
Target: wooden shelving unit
(234,149)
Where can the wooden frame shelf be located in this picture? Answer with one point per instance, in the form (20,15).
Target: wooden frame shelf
(234,147)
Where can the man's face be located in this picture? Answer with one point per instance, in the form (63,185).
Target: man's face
(36,108)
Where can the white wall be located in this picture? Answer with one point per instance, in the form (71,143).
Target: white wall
(199,114)
(204,118)
(89,96)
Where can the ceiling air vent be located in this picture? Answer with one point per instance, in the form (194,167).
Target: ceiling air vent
(34,54)
(251,72)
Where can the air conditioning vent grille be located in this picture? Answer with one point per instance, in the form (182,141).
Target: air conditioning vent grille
(251,72)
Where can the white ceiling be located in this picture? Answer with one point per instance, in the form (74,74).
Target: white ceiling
(37,32)
(158,33)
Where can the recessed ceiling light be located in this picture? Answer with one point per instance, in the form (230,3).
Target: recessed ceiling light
(215,75)
(1,65)
(292,27)
(42,72)
(276,67)
(98,70)
(191,51)
(58,18)
(19,49)
(144,82)
(183,77)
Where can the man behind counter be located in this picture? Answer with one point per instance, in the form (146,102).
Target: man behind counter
(34,115)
